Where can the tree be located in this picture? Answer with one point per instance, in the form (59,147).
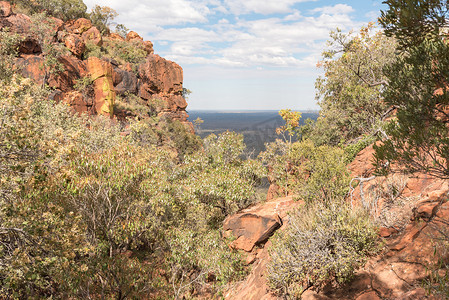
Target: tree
(418,136)
(291,126)
(411,22)
(102,16)
(350,92)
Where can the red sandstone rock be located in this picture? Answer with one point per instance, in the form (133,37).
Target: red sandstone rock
(255,285)
(74,69)
(116,37)
(148,46)
(93,35)
(77,101)
(101,73)
(75,44)
(387,232)
(250,229)
(5,9)
(124,81)
(273,192)
(18,23)
(79,26)
(362,165)
(132,35)
(311,295)
(32,67)
(255,225)
(159,75)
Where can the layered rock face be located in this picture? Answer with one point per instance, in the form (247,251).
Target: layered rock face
(155,79)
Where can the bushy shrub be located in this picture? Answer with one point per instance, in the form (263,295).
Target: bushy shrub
(322,171)
(9,44)
(313,173)
(121,51)
(62,9)
(323,244)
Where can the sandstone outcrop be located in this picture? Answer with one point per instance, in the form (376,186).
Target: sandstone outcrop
(155,80)
(100,72)
(93,36)
(252,229)
(75,44)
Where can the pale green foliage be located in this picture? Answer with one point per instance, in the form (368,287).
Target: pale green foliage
(323,244)
(121,30)
(8,51)
(63,9)
(322,170)
(350,92)
(313,173)
(123,52)
(223,179)
(77,197)
(277,160)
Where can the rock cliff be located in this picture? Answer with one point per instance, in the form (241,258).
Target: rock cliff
(153,78)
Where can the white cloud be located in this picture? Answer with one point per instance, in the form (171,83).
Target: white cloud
(234,39)
(154,14)
(240,7)
(336,9)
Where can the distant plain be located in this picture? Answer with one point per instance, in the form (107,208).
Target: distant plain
(257,127)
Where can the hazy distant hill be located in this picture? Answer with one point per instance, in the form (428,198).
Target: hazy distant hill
(258,127)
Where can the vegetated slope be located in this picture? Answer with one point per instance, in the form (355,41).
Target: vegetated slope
(105,192)
(412,213)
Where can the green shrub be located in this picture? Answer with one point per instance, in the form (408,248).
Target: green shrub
(9,44)
(86,211)
(322,244)
(62,9)
(321,171)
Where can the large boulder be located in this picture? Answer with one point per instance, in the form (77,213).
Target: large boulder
(79,102)
(17,23)
(100,72)
(159,75)
(31,66)
(124,81)
(132,36)
(93,36)
(75,44)
(79,26)
(73,70)
(115,37)
(253,226)
(5,9)
(148,47)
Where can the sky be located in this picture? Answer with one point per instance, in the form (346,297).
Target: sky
(244,54)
